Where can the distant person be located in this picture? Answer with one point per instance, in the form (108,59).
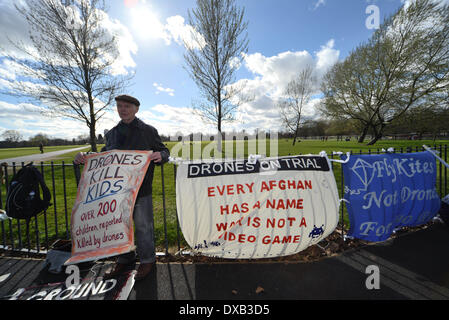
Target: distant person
(41,147)
(131,133)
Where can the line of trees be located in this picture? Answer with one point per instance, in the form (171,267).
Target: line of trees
(397,81)
(14,139)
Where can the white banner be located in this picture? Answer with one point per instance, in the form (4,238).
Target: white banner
(101,223)
(275,207)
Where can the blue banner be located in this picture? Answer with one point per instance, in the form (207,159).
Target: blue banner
(389,191)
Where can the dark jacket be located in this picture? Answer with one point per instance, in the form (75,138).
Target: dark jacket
(137,136)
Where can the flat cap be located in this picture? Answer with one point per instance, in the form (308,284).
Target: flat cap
(127,98)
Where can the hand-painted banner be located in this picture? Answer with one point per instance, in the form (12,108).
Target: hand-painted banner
(101,223)
(389,191)
(91,287)
(244,210)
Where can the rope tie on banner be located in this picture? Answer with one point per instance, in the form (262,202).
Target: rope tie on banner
(339,153)
(434,153)
(252,159)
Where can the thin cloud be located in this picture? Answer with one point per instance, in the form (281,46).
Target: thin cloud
(160,88)
(319,3)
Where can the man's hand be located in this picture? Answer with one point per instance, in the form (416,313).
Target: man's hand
(80,158)
(156,157)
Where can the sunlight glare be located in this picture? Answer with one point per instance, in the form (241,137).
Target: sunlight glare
(146,24)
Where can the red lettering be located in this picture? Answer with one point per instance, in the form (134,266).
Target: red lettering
(277,239)
(224,209)
(210,192)
(271,205)
(280,204)
(222,226)
(271,222)
(266,240)
(221,192)
(291,220)
(282,184)
(105,207)
(291,203)
(264,187)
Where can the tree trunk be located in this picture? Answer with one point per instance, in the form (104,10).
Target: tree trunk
(220,135)
(363,134)
(377,135)
(296,132)
(92,137)
(93,122)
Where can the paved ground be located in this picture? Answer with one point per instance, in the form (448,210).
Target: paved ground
(413,266)
(40,157)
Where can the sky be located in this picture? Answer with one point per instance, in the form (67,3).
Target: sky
(284,37)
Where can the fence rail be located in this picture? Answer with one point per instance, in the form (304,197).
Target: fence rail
(62,180)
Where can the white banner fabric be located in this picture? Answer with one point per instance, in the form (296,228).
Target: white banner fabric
(242,210)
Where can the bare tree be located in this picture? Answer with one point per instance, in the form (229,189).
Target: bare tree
(404,65)
(12,135)
(296,96)
(211,59)
(70,63)
(349,89)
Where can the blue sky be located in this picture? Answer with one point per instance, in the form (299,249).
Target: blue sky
(284,36)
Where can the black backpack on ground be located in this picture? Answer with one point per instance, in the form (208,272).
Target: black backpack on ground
(444,210)
(24,197)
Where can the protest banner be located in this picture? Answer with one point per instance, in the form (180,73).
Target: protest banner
(90,288)
(101,222)
(243,210)
(388,191)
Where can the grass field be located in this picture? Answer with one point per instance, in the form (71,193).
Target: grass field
(56,220)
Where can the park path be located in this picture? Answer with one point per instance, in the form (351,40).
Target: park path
(40,157)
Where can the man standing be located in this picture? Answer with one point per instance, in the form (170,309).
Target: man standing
(131,133)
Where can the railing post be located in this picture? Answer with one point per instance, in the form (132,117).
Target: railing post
(65,202)
(54,198)
(176,210)
(445,170)
(4,176)
(10,221)
(45,213)
(163,205)
(76,169)
(342,188)
(19,231)
(441,171)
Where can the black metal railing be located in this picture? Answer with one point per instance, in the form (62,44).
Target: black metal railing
(63,178)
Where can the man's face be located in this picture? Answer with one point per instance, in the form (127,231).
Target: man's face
(127,111)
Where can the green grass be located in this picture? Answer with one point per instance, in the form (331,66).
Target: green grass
(66,189)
